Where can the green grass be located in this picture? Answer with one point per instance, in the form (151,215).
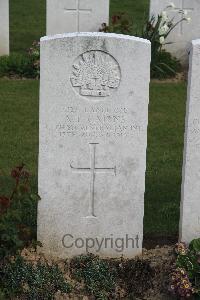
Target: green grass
(27,23)
(28,19)
(136,10)
(19,142)
(19,126)
(164,157)
(19,120)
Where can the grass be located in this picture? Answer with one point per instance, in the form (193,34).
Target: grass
(27,23)
(164,157)
(19,142)
(19,125)
(28,19)
(19,120)
(137,10)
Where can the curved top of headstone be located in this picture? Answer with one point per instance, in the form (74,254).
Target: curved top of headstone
(195,42)
(94,95)
(94,34)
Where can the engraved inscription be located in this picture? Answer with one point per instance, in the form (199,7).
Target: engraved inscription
(98,121)
(95,73)
(93,170)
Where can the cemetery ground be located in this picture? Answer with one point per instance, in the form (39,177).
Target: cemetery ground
(19,123)
(19,102)
(32,13)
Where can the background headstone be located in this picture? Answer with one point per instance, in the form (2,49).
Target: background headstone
(76,15)
(190,206)
(185,32)
(4,27)
(94,95)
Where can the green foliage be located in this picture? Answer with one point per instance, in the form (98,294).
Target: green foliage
(39,282)
(27,23)
(34,55)
(17,65)
(186,276)
(120,23)
(163,64)
(21,65)
(19,102)
(95,273)
(19,133)
(136,11)
(17,213)
(189,259)
(2,295)
(33,14)
(102,276)
(164,158)
(195,246)
(156,30)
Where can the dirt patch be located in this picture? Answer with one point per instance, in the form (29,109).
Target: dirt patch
(151,241)
(144,277)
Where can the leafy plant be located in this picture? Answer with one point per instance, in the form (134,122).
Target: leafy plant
(119,24)
(156,30)
(37,282)
(21,65)
(16,65)
(163,64)
(34,55)
(17,213)
(185,279)
(95,273)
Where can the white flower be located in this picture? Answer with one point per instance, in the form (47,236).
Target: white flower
(188,19)
(164,16)
(171,5)
(163,29)
(185,12)
(162,40)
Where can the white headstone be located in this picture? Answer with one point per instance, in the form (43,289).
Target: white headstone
(76,15)
(94,95)
(190,206)
(185,32)
(4,27)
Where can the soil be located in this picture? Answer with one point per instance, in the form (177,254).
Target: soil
(152,240)
(142,278)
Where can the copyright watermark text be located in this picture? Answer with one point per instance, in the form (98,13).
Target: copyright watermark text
(119,244)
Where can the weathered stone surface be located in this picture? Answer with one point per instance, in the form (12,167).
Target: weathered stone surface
(94,95)
(190,206)
(185,32)
(65,16)
(4,25)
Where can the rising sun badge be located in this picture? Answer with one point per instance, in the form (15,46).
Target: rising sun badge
(95,73)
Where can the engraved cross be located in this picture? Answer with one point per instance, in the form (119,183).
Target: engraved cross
(93,170)
(78,12)
(181,12)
